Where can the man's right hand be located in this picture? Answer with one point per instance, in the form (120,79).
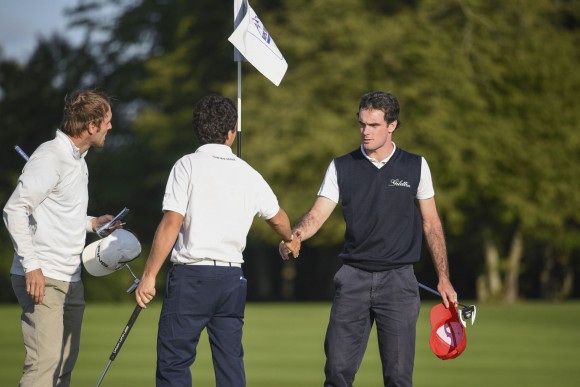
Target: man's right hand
(145,291)
(290,248)
(35,285)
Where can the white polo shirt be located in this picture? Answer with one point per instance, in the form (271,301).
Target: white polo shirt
(329,187)
(219,195)
(47,212)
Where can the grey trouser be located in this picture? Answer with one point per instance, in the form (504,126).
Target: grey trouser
(391,298)
(51,331)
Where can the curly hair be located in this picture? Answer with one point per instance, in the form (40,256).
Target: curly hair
(82,108)
(386,102)
(213,117)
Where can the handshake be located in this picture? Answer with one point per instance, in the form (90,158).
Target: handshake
(290,249)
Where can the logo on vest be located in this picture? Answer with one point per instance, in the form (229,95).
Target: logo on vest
(399,183)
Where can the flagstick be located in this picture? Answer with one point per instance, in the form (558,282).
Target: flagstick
(240,109)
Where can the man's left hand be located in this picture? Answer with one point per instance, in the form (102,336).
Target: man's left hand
(448,294)
(104,219)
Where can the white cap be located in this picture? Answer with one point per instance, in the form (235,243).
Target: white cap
(110,254)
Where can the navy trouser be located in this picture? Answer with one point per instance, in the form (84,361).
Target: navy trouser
(391,298)
(198,297)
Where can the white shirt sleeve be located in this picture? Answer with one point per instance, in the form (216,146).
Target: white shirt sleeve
(329,187)
(176,195)
(36,182)
(89,224)
(268,205)
(425,189)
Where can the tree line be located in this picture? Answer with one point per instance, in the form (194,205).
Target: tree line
(489,94)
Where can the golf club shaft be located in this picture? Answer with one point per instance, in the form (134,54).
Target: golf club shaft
(427,288)
(103,374)
(435,292)
(133,274)
(122,339)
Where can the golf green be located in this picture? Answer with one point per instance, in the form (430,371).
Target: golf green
(526,344)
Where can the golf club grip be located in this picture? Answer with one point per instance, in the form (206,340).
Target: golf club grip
(125,332)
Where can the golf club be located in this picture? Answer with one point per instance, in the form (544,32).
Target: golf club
(122,339)
(21,152)
(467,313)
(134,285)
(128,327)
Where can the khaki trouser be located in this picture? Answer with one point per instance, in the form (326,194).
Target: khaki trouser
(51,332)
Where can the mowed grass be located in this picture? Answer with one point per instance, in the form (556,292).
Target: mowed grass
(527,344)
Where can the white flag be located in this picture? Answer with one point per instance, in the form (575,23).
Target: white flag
(254,42)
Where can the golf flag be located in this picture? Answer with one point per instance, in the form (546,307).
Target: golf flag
(254,43)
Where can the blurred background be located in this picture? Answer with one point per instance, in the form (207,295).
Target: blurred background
(489,93)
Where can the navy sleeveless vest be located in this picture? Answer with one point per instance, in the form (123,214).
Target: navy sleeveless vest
(383,222)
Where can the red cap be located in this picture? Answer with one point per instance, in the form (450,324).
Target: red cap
(448,339)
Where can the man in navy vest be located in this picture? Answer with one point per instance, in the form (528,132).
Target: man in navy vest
(388,204)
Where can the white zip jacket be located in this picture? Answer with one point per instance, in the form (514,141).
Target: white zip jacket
(47,212)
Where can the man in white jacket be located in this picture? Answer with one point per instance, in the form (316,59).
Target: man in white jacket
(47,220)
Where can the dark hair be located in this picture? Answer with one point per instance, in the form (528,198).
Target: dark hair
(379,100)
(213,117)
(82,108)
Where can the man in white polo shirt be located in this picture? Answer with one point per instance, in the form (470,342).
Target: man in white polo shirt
(210,201)
(47,220)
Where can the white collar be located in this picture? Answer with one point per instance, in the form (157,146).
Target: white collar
(376,162)
(221,149)
(76,152)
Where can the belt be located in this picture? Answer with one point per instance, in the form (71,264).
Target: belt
(213,262)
